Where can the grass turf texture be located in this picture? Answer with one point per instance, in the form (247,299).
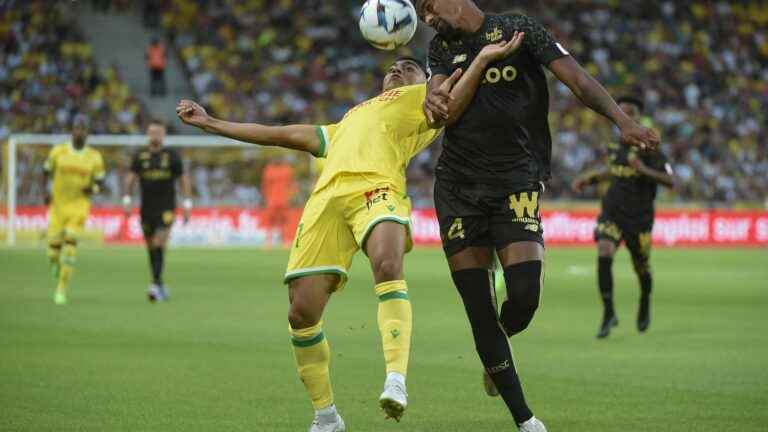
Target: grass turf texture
(217,357)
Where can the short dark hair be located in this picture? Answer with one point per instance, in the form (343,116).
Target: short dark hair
(157,121)
(414,60)
(633,100)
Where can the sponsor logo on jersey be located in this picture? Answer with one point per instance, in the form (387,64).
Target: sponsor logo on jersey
(376,196)
(623,171)
(74,170)
(156,174)
(461,58)
(494,35)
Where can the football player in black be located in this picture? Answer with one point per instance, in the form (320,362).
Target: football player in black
(157,169)
(627,215)
(495,160)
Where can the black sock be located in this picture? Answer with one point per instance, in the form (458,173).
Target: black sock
(156,262)
(476,289)
(605,283)
(646,285)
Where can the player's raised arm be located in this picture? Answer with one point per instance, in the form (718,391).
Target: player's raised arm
(294,137)
(592,94)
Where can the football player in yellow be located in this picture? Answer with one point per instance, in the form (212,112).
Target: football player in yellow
(78,172)
(359,202)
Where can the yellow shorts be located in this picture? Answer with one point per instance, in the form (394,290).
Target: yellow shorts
(66,221)
(337,221)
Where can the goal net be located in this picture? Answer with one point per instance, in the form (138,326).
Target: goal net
(227,180)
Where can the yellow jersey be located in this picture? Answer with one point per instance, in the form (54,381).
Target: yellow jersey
(377,138)
(73,171)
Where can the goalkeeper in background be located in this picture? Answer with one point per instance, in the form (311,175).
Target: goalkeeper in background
(78,172)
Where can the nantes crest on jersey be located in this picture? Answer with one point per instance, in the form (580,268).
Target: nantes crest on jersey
(378,137)
(503,138)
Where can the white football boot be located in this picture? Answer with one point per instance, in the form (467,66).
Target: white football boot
(394,399)
(532,425)
(328,422)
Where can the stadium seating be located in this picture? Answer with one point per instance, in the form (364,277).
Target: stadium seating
(296,61)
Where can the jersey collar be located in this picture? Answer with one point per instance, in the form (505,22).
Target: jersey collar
(76,151)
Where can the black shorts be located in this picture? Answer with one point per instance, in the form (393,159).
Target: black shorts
(637,237)
(478,216)
(155,220)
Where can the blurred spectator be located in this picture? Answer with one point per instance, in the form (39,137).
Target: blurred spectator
(47,73)
(278,186)
(156,60)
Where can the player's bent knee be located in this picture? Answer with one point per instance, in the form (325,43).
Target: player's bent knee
(606,249)
(516,318)
(388,269)
(300,316)
(523,294)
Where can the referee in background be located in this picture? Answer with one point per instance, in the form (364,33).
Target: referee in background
(157,169)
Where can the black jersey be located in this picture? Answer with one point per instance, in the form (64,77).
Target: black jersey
(157,171)
(503,138)
(629,199)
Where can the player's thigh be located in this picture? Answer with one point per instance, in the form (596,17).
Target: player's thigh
(74,222)
(55,231)
(608,236)
(369,206)
(517,230)
(639,246)
(324,244)
(464,228)
(163,231)
(521,251)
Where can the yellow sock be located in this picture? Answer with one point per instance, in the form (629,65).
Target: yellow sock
(313,355)
(67,262)
(395,323)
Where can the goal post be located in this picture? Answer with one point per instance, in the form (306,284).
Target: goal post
(16,140)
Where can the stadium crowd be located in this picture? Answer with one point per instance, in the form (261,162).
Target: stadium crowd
(48,74)
(701,67)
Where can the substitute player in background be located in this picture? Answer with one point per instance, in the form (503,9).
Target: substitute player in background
(359,202)
(491,173)
(627,215)
(78,173)
(157,169)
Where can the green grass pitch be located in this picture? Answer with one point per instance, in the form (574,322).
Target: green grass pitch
(217,357)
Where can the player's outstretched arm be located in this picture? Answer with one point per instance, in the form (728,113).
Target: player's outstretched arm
(592,94)
(589,178)
(294,137)
(664,178)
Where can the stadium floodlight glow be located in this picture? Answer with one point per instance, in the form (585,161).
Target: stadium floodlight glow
(16,140)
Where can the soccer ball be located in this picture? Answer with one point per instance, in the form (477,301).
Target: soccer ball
(388,24)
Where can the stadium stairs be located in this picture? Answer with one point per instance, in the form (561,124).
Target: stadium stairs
(121,39)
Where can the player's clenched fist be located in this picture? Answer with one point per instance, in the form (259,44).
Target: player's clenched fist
(192,113)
